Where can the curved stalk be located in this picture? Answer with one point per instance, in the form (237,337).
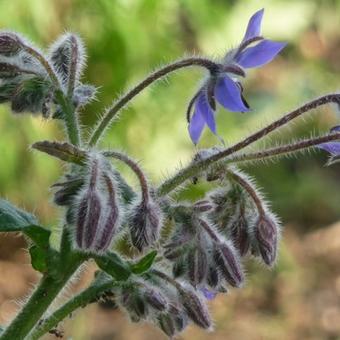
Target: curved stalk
(196,168)
(118,105)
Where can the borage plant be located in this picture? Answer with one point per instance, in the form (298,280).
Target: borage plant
(159,259)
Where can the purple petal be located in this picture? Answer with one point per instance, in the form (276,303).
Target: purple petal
(229,95)
(206,111)
(196,126)
(264,52)
(208,294)
(254,25)
(332,147)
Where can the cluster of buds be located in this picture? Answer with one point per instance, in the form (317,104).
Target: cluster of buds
(200,254)
(164,302)
(25,74)
(96,211)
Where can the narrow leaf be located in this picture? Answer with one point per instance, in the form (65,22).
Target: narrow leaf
(144,263)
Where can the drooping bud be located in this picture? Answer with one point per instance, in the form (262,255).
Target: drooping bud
(195,308)
(89,210)
(144,224)
(197,265)
(109,227)
(10,43)
(265,234)
(155,299)
(135,305)
(229,264)
(167,324)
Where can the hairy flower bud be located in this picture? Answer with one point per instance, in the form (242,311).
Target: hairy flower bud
(8,70)
(213,277)
(265,233)
(155,299)
(67,191)
(167,324)
(197,265)
(203,206)
(144,224)
(89,210)
(229,264)
(10,43)
(135,305)
(195,308)
(180,317)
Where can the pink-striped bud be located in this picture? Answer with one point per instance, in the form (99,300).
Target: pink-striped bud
(197,265)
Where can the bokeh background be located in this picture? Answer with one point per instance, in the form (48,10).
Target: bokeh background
(125,39)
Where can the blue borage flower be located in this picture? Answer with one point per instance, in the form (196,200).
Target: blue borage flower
(222,85)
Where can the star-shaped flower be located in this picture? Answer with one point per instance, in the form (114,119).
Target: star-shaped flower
(222,85)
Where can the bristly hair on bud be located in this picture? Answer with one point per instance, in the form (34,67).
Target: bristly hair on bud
(195,307)
(10,43)
(144,223)
(265,234)
(97,207)
(65,53)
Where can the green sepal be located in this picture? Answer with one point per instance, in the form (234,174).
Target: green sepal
(112,264)
(144,264)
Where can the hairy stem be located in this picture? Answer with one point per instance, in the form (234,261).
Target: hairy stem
(118,105)
(36,306)
(249,188)
(284,149)
(70,118)
(197,167)
(82,299)
(135,168)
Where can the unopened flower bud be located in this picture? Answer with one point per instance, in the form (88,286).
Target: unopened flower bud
(197,265)
(195,308)
(109,226)
(240,236)
(229,264)
(89,210)
(144,224)
(266,231)
(180,318)
(67,191)
(166,324)
(155,299)
(10,43)
(134,304)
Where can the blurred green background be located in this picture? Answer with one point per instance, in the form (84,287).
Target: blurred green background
(125,40)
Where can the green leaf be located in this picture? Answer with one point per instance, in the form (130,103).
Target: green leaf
(112,264)
(38,258)
(17,220)
(144,264)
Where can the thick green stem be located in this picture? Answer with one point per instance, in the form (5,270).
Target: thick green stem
(38,303)
(81,300)
(70,118)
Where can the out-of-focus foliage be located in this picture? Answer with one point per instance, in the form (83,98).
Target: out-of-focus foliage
(128,38)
